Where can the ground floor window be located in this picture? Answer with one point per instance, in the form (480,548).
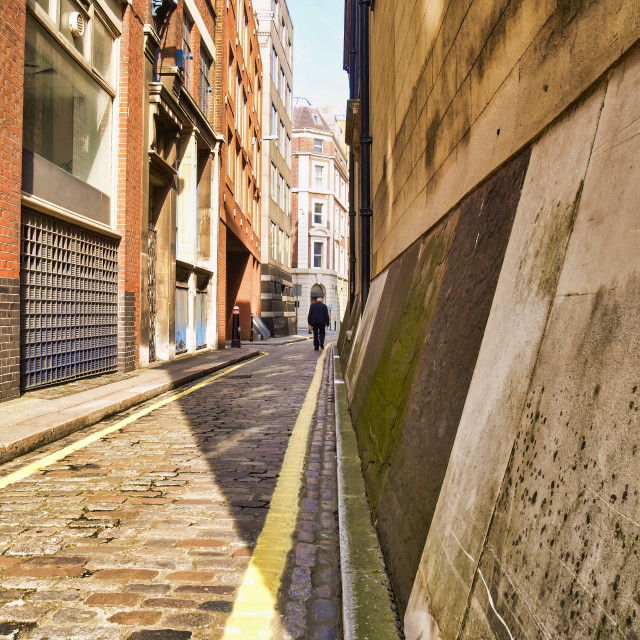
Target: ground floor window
(69,302)
(318,250)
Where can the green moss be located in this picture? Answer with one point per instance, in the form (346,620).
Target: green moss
(551,255)
(379,420)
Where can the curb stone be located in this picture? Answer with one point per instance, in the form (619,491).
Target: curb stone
(368,609)
(48,433)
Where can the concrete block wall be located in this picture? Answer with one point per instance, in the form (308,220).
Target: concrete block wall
(493,381)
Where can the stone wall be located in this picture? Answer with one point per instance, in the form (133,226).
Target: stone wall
(493,377)
(459,86)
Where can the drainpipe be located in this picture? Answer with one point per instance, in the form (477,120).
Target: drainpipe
(365,150)
(353,88)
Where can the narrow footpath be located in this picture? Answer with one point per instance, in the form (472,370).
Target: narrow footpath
(207,512)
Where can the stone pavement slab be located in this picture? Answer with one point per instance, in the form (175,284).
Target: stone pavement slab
(46,415)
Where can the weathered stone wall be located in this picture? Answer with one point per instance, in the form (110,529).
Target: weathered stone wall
(494,380)
(458,86)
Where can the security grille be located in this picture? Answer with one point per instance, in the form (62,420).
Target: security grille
(69,302)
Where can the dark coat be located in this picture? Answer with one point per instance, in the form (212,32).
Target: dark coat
(318,314)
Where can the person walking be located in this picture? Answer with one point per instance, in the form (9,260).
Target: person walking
(318,318)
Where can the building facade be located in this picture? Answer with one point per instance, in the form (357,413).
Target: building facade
(492,363)
(108,256)
(239,78)
(320,206)
(275,34)
(178,268)
(70,213)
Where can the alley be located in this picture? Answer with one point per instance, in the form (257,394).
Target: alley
(148,531)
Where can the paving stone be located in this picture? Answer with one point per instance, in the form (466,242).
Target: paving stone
(74,616)
(20,611)
(326,610)
(11,630)
(190,620)
(169,603)
(113,599)
(69,595)
(160,634)
(219,606)
(135,618)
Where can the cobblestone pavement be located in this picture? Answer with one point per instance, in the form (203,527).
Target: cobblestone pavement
(146,533)
(310,598)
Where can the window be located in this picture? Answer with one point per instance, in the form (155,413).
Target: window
(232,75)
(238,181)
(274,120)
(230,155)
(274,8)
(283,31)
(287,255)
(281,86)
(274,65)
(187,25)
(316,118)
(317,145)
(246,126)
(281,246)
(103,50)
(274,181)
(67,114)
(205,86)
(288,99)
(336,254)
(318,176)
(272,241)
(318,213)
(317,254)
(288,149)
(238,100)
(245,33)
(287,199)
(281,136)
(281,191)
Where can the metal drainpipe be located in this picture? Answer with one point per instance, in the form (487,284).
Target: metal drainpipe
(353,88)
(365,151)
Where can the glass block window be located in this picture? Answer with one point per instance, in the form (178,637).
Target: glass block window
(69,302)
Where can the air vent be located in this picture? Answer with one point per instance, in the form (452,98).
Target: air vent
(76,24)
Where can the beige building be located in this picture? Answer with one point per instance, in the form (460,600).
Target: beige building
(492,371)
(275,35)
(320,204)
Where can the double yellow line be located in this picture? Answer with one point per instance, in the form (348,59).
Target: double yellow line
(47,461)
(254,611)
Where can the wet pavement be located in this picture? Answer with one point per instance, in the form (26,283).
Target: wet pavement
(147,532)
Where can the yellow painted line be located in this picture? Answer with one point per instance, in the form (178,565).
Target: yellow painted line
(254,611)
(38,465)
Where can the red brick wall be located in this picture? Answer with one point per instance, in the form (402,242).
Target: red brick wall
(129,203)
(12,34)
(225,120)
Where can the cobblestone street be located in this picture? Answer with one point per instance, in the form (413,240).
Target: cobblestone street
(147,532)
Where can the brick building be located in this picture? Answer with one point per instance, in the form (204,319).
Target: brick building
(320,205)
(275,34)
(238,118)
(109,186)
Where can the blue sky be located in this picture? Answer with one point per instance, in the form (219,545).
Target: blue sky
(317,52)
